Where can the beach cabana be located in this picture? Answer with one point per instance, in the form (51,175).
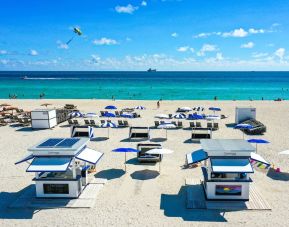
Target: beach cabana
(198,134)
(143,156)
(139,133)
(81,131)
(60,166)
(227,167)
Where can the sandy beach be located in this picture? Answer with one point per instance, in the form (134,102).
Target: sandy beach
(126,201)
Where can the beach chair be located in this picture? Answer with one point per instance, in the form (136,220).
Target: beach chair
(192,124)
(75,122)
(92,123)
(86,122)
(108,121)
(117,113)
(102,121)
(198,124)
(157,123)
(26,122)
(170,116)
(209,125)
(120,123)
(162,122)
(70,122)
(125,123)
(101,113)
(120,112)
(174,123)
(180,124)
(216,126)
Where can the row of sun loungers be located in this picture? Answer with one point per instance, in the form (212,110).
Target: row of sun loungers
(179,124)
(93,123)
(179,110)
(118,114)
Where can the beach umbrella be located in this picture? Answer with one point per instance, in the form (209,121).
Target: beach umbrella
(256,141)
(75,114)
(46,104)
(108,125)
(286,152)
(162,116)
(212,117)
(242,127)
(91,115)
(125,150)
(195,117)
(166,126)
(159,151)
(215,109)
(108,115)
(110,108)
(140,108)
(186,108)
(179,116)
(127,115)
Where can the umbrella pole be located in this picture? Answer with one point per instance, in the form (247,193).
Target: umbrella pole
(108,132)
(159,166)
(166,134)
(256,147)
(125,161)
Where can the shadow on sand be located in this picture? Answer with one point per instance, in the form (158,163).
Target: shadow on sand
(110,174)
(7,198)
(158,140)
(144,174)
(191,141)
(277,176)
(129,140)
(134,161)
(99,139)
(175,206)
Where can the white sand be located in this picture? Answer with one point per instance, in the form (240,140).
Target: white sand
(158,202)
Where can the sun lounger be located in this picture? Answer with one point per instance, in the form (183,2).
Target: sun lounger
(120,123)
(157,123)
(102,121)
(162,122)
(192,124)
(170,116)
(70,122)
(216,126)
(198,124)
(209,125)
(75,122)
(86,122)
(126,123)
(109,121)
(101,113)
(92,123)
(174,123)
(26,122)
(117,113)
(180,124)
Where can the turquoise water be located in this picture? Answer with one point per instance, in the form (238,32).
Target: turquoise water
(146,86)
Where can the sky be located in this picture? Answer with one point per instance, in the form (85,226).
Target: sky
(178,35)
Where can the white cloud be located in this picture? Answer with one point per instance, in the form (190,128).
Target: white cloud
(126,9)
(128,39)
(280,53)
(248,45)
(104,41)
(33,53)
(143,3)
(3,52)
(95,59)
(175,35)
(207,48)
(183,49)
(4,61)
(259,55)
(240,32)
(256,31)
(62,45)
(219,57)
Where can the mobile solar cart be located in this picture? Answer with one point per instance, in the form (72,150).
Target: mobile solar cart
(60,166)
(227,168)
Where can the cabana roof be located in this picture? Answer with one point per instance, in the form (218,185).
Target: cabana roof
(49,164)
(227,147)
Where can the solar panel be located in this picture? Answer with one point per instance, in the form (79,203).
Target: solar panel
(67,142)
(50,143)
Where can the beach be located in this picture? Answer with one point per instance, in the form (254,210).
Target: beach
(128,201)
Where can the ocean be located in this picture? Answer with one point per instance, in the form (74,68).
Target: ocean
(146,85)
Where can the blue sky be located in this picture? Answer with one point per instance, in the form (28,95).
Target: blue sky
(136,35)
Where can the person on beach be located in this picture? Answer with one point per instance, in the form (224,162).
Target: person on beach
(158,104)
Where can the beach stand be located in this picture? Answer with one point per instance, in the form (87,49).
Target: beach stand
(60,166)
(227,167)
